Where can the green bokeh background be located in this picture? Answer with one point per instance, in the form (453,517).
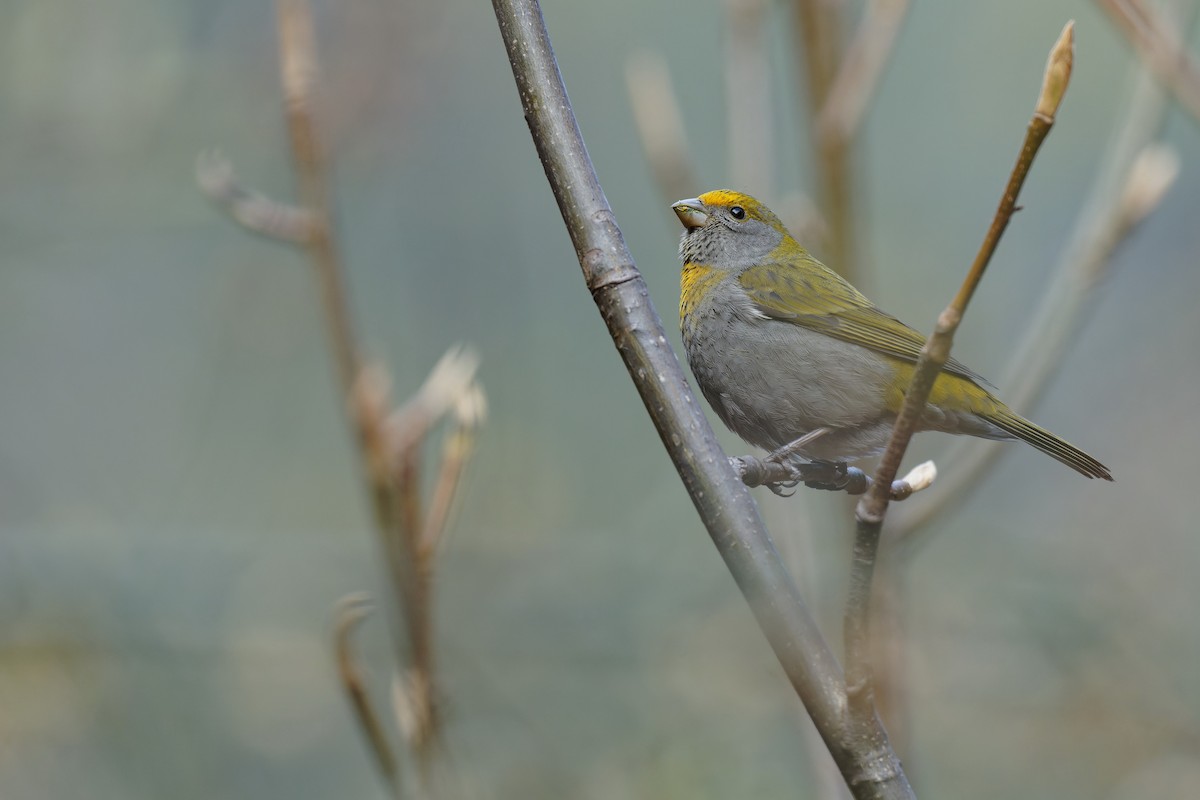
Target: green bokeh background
(179,506)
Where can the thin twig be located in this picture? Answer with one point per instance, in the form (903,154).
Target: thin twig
(659,125)
(820,40)
(252,210)
(748,100)
(417,587)
(872,508)
(860,745)
(390,444)
(450,389)
(450,381)
(861,69)
(1134,176)
(367,390)
(469,414)
(1160,48)
(350,612)
(298,70)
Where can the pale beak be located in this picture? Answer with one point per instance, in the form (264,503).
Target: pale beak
(690,212)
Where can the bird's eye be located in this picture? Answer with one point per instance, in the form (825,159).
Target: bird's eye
(737,212)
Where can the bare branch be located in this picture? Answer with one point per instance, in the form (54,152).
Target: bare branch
(820,41)
(748,100)
(660,125)
(350,612)
(448,383)
(390,444)
(253,211)
(1135,175)
(861,69)
(858,745)
(298,71)
(873,507)
(1160,48)
(470,410)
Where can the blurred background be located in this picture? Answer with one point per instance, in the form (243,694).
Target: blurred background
(180,506)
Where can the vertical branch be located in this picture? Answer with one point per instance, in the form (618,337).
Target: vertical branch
(861,70)
(660,125)
(469,412)
(390,445)
(367,390)
(418,606)
(369,393)
(450,389)
(298,70)
(873,507)
(888,636)
(820,39)
(350,612)
(748,97)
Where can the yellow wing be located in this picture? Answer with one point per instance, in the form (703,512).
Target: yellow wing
(817,298)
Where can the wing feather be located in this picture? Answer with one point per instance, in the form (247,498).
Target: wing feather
(820,300)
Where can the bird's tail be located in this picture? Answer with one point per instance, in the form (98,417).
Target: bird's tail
(1048,443)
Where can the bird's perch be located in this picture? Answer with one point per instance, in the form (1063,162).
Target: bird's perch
(872,508)
(859,746)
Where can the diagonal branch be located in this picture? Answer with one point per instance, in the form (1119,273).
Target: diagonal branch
(1136,173)
(350,612)
(1160,48)
(873,507)
(859,746)
(861,69)
(820,41)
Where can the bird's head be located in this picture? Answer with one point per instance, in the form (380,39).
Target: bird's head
(728,229)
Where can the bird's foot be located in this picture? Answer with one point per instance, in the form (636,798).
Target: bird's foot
(833,476)
(830,476)
(783,476)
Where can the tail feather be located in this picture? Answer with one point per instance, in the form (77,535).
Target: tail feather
(1049,444)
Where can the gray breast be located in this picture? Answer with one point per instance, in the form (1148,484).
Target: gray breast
(771,381)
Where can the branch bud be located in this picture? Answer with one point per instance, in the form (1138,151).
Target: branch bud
(1150,177)
(1058,74)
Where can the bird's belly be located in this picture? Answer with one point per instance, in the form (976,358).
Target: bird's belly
(772,382)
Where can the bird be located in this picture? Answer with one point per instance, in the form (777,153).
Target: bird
(796,361)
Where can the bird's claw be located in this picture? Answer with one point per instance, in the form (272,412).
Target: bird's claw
(783,475)
(830,476)
(780,488)
(827,475)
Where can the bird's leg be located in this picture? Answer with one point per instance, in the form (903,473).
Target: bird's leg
(785,453)
(832,476)
(815,474)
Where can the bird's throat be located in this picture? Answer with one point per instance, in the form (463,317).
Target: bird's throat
(694,283)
